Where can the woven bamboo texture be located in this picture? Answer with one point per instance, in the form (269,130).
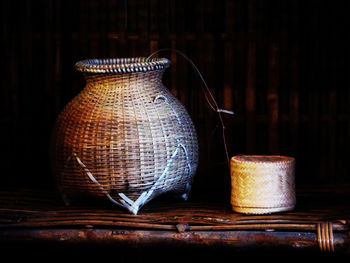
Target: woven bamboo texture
(262,184)
(125,136)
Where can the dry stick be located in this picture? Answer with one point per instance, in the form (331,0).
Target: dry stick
(215,107)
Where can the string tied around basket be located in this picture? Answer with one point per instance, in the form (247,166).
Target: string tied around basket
(126,202)
(210,100)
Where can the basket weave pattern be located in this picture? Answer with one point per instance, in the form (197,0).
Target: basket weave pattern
(125,128)
(262,184)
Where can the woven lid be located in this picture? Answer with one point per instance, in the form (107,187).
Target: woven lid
(262,158)
(122,65)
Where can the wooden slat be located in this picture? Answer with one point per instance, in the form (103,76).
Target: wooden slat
(332,102)
(251,80)
(228,80)
(234,240)
(113,26)
(251,98)
(294,98)
(314,104)
(272,98)
(18,218)
(182,66)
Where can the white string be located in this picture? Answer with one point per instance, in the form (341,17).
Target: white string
(167,102)
(93,179)
(134,206)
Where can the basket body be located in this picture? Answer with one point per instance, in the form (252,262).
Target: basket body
(262,184)
(125,129)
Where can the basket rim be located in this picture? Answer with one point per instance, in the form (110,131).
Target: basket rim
(266,159)
(122,65)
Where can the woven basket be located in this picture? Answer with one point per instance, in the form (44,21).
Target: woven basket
(262,184)
(125,136)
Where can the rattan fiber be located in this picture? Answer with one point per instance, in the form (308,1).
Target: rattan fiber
(125,128)
(262,184)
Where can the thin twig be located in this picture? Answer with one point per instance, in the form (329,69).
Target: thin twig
(214,107)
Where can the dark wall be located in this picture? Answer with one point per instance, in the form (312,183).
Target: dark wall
(281,66)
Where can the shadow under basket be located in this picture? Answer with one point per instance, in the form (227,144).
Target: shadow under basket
(124,137)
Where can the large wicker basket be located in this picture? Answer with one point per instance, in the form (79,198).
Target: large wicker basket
(125,136)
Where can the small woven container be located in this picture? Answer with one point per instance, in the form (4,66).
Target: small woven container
(262,184)
(125,136)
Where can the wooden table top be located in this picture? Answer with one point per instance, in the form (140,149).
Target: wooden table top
(319,221)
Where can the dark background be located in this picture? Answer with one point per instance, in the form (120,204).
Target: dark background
(281,66)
